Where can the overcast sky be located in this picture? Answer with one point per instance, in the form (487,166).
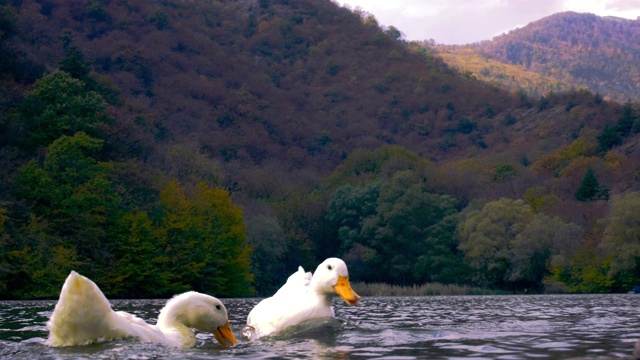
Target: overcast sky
(466,21)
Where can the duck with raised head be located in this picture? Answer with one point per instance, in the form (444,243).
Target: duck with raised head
(83,315)
(303,297)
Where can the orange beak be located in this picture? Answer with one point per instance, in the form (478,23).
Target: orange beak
(224,335)
(344,290)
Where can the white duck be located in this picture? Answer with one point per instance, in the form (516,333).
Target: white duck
(83,315)
(303,297)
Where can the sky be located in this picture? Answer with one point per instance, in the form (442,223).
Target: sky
(466,21)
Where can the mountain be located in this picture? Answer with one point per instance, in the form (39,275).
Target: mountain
(263,83)
(130,130)
(565,50)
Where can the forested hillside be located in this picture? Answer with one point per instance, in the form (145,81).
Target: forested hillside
(557,53)
(216,146)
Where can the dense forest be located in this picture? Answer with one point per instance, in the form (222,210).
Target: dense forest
(162,146)
(557,53)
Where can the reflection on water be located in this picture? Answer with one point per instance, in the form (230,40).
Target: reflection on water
(482,327)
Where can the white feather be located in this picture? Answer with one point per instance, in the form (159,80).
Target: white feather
(303,297)
(83,315)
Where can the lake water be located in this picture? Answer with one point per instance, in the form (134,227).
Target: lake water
(440,327)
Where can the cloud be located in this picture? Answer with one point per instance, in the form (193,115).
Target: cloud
(462,22)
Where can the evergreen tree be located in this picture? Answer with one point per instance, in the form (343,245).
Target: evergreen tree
(74,64)
(60,105)
(590,188)
(72,209)
(608,138)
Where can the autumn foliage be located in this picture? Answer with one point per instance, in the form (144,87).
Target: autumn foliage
(163,146)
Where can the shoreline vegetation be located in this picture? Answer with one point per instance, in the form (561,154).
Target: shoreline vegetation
(429,289)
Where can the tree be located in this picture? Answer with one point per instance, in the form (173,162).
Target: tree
(265,236)
(142,267)
(72,207)
(608,138)
(590,188)
(408,215)
(398,227)
(363,165)
(206,240)
(621,240)
(624,125)
(543,240)
(540,201)
(352,211)
(74,64)
(393,33)
(5,267)
(60,105)
(488,239)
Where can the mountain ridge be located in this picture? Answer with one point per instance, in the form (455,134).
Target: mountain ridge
(581,50)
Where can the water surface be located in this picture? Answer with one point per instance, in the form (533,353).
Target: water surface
(439,327)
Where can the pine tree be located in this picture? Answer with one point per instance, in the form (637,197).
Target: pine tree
(590,188)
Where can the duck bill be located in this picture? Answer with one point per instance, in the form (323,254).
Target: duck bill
(344,290)
(224,335)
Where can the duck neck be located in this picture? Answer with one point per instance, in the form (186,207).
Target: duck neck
(170,324)
(326,295)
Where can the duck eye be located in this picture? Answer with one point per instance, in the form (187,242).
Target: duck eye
(218,307)
(329,267)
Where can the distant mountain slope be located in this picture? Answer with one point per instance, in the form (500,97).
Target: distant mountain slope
(289,89)
(583,50)
(472,64)
(248,81)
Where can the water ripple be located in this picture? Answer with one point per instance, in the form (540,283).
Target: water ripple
(457,327)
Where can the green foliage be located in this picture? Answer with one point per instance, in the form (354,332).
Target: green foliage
(489,238)
(394,33)
(539,201)
(504,172)
(608,138)
(536,246)
(160,19)
(614,135)
(351,210)
(73,207)
(590,188)
(622,240)
(398,227)
(60,105)
(196,244)
(626,121)
(363,166)
(5,269)
(206,239)
(143,265)
(511,248)
(96,12)
(71,188)
(466,125)
(265,236)
(74,64)
(69,215)
(588,273)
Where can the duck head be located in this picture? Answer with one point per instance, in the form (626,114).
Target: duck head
(332,277)
(200,311)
